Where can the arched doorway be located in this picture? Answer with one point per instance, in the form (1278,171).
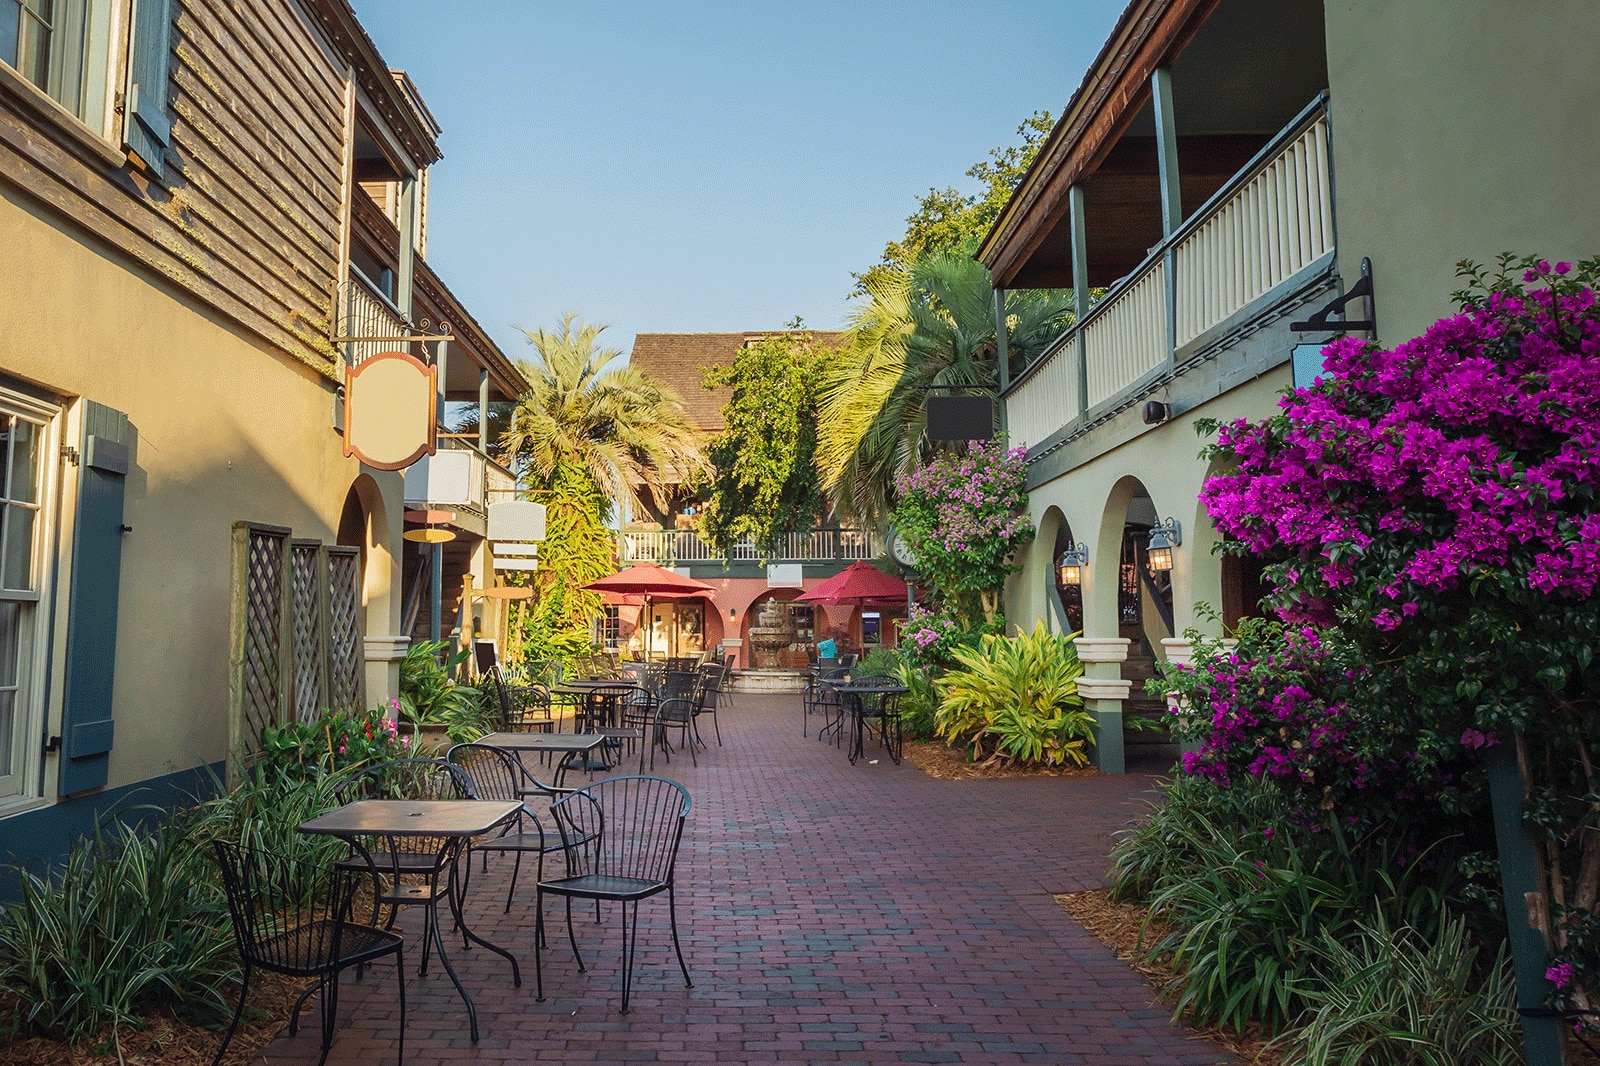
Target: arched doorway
(1066,573)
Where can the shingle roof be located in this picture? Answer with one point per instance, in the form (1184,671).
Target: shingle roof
(678,360)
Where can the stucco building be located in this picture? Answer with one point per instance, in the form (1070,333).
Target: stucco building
(1225,172)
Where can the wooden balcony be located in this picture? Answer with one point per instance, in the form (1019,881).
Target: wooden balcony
(669,547)
(1270,225)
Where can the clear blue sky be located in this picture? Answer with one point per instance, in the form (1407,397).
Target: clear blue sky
(688,166)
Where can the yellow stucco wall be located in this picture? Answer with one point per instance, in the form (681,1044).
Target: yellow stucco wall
(1461,129)
(227,431)
(1093,500)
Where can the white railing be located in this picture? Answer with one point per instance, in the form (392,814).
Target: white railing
(687,546)
(1050,399)
(1280,222)
(1272,220)
(367,313)
(1129,338)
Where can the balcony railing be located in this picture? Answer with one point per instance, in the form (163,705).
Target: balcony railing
(365,312)
(674,546)
(457,476)
(1268,223)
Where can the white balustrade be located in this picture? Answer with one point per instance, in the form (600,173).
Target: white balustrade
(1278,223)
(367,314)
(687,546)
(1050,398)
(1129,338)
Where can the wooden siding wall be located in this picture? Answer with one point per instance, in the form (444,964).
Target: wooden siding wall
(249,220)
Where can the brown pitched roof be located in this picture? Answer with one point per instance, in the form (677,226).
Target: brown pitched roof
(679,359)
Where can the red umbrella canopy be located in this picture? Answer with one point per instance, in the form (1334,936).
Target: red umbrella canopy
(644,579)
(858,584)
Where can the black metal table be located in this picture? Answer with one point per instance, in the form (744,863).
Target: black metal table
(863,701)
(455,821)
(565,744)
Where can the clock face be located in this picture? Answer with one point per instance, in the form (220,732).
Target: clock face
(902,551)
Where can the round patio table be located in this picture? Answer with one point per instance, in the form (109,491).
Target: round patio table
(865,700)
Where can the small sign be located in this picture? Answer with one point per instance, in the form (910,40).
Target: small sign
(785,575)
(1306,360)
(390,405)
(516,520)
(960,417)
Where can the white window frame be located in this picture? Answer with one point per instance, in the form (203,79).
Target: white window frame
(33,671)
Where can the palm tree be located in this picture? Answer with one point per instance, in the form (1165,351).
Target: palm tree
(622,427)
(931,325)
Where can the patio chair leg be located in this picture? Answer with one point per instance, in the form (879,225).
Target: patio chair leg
(515,868)
(238,1012)
(538,937)
(330,1012)
(400,974)
(630,944)
(573,937)
(672,913)
(428,922)
(294,1016)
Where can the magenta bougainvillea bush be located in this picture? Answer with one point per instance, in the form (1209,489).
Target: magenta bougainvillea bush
(964,515)
(1435,509)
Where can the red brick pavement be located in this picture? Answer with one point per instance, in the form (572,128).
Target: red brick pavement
(830,913)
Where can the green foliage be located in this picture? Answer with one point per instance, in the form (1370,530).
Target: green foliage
(578,548)
(919,704)
(764,482)
(947,220)
(332,742)
(931,325)
(1401,998)
(430,695)
(1017,699)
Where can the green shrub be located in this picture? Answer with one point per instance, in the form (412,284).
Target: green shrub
(429,693)
(1017,699)
(1403,998)
(330,743)
(132,920)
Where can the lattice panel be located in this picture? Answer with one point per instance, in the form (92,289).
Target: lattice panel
(346,661)
(263,644)
(305,596)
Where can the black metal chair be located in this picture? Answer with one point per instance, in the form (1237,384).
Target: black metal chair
(621,836)
(823,698)
(293,918)
(874,710)
(682,664)
(416,869)
(710,682)
(498,775)
(678,712)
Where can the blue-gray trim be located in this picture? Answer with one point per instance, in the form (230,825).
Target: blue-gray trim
(46,834)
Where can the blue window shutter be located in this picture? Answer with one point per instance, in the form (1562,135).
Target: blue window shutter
(86,726)
(149,54)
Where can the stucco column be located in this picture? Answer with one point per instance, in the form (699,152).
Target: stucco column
(1103,690)
(1180,652)
(385,645)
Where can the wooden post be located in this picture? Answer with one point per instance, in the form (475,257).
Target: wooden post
(1080,289)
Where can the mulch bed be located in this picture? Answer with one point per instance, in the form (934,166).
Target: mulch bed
(169,1041)
(1119,927)
(936,759)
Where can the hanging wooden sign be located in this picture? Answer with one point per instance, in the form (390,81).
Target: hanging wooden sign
(390,402)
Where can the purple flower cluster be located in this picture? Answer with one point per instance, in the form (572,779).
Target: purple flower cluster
(1474,449)
(964,515)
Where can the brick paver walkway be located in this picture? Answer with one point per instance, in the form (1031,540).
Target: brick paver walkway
(830,913)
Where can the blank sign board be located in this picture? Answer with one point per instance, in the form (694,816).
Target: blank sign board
(960,418)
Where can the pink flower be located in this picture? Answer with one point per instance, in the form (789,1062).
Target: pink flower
(1560,975)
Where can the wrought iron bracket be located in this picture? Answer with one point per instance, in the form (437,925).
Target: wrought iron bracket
(1318,323)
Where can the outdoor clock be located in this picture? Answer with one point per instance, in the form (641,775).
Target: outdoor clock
(901,550)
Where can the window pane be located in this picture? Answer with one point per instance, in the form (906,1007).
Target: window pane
(33,58)
(11,619)
(9,10)
(24,461)
(8,729)
(16,569)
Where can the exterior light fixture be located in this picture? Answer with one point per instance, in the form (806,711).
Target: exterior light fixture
(1163,538)
(732,614)
(1073,560)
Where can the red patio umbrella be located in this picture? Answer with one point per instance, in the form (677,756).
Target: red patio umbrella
(857,585)
(651,582)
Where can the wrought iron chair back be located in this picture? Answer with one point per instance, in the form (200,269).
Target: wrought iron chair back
(627,827)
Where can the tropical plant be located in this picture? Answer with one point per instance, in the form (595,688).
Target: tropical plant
(620,427)
(964,516)
(932,325)
(430,695)
(1017,699)
(578,548)
(764,481)
(132,920)
(1398,997)
(332,742)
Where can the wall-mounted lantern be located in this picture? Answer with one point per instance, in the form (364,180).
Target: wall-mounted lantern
(1073,560)
(1163,538)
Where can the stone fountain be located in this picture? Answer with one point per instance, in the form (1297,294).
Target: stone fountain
(773,631)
